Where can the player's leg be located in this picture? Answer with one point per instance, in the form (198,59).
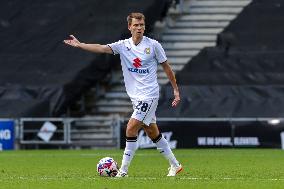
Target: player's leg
(138,117)
(132,129)
(164,147)
(151,129)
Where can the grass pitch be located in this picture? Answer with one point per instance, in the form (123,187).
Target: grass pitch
(204,168)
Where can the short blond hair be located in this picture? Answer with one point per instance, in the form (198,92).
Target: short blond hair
(136,15)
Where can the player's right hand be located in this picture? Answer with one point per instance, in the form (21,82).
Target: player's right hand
(72,41)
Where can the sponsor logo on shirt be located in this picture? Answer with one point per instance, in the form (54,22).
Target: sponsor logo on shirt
(137,64)
(140,71)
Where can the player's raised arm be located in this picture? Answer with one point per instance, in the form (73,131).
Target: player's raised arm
(96,48)
(170,74)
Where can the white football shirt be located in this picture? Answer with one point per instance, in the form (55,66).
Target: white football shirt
(139,66)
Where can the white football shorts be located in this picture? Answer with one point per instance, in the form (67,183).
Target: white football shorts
(145,110)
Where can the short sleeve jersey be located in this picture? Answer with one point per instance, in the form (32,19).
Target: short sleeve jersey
(139,66)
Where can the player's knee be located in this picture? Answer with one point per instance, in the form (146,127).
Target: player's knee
(131,131)
(152,134)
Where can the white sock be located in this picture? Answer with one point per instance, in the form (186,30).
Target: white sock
(164,148)
(129,151)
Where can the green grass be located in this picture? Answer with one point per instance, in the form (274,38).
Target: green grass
(204,168)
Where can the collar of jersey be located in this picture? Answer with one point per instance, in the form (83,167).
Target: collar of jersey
(132,42)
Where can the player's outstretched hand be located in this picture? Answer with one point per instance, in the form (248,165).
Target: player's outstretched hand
(176,99)
(72,41)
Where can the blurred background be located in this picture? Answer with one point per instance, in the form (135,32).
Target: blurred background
(227,55)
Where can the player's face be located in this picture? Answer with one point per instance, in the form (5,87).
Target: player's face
(137,27)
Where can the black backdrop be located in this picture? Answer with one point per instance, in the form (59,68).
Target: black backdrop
(39,75)
(215,134)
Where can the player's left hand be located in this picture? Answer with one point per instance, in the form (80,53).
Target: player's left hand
(176,99)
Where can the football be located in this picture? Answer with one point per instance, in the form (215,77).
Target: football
(107,167)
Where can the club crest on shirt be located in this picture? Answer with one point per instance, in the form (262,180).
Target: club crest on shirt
(147,50)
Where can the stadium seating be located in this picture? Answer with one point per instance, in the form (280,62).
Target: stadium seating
(240,77)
